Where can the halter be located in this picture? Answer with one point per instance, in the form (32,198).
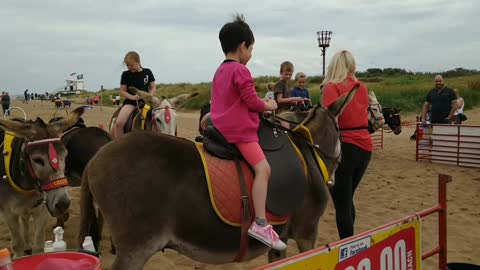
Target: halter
(53,162)
(317,147)
(303,132)
(373,105)
(167,117)
(167,108)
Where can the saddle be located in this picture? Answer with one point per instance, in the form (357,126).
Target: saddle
(142,115)
(230,178)
(18,184)
(287,184)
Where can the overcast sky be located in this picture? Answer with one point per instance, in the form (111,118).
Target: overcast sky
(42,42)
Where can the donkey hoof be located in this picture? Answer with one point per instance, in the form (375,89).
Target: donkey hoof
(28,251)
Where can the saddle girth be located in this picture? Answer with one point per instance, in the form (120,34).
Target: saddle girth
(245,215)
(145,111)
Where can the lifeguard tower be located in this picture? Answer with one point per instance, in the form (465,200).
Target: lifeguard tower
(74,85)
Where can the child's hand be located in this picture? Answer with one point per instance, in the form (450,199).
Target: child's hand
(271,105)
(297,100)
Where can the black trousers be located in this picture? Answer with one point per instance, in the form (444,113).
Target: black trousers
(347,177)
(5,108)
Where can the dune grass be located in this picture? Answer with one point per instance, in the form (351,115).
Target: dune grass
(405,92)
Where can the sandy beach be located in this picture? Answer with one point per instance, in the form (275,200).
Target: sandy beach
(394,186)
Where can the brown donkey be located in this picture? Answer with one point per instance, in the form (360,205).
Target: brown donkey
(82,144)
(33,174)
(159,199)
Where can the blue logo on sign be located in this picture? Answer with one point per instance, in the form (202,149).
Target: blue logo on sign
(343,253)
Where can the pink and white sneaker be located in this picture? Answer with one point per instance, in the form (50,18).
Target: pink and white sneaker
(267,236)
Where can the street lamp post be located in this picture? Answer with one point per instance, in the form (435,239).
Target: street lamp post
(101,98)
(324,38)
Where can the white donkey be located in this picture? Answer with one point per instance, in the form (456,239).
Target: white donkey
(161,115)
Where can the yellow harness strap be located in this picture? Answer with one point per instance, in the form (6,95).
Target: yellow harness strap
(305,132)
(145,111)
(7,147)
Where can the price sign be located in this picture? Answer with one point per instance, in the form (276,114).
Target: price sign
(395,246)
(397,252)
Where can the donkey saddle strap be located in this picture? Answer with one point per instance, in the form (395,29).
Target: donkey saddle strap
(245,215)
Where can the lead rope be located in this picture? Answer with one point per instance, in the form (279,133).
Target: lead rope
(275,131)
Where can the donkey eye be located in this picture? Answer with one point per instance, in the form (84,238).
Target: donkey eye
(39,161)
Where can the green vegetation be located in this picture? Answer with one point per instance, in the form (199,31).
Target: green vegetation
(408,93)
(394,87)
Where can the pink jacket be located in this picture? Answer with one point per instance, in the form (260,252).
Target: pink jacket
(235,105)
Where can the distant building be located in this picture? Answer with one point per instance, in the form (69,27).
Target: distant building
(74,85)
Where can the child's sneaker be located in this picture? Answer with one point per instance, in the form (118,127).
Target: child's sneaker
(267,236)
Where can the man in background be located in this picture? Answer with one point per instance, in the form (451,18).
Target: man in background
(443,102)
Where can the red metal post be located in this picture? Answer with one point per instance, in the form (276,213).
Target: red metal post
(458,145)
(381,145)
(416,144)
(441,208)
(442,219)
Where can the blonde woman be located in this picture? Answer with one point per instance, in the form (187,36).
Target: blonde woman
(356,145)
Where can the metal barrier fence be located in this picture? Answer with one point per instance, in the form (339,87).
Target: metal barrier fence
(449,144)
(366,256)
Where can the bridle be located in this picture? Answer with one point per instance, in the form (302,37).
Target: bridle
(167,117)
(379,107)
(54,163)
(313,146)
(337,130)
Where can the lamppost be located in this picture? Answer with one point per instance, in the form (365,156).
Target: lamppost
(101,98)
(324,38)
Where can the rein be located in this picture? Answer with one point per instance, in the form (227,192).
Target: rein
(288,121)
(314,147)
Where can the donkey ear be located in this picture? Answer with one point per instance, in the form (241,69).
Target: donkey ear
(338,106)
(70,120)
(22,130)
(180,100)
(149,99)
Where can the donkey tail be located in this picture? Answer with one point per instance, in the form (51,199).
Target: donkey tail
(91,222)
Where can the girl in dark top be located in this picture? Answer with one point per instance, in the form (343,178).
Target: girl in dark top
(139,77)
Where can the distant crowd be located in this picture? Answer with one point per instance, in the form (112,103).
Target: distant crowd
(35,96)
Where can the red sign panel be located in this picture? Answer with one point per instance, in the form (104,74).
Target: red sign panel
(397,252)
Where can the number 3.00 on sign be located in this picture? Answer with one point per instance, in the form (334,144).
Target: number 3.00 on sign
(397,252)
(395,246)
